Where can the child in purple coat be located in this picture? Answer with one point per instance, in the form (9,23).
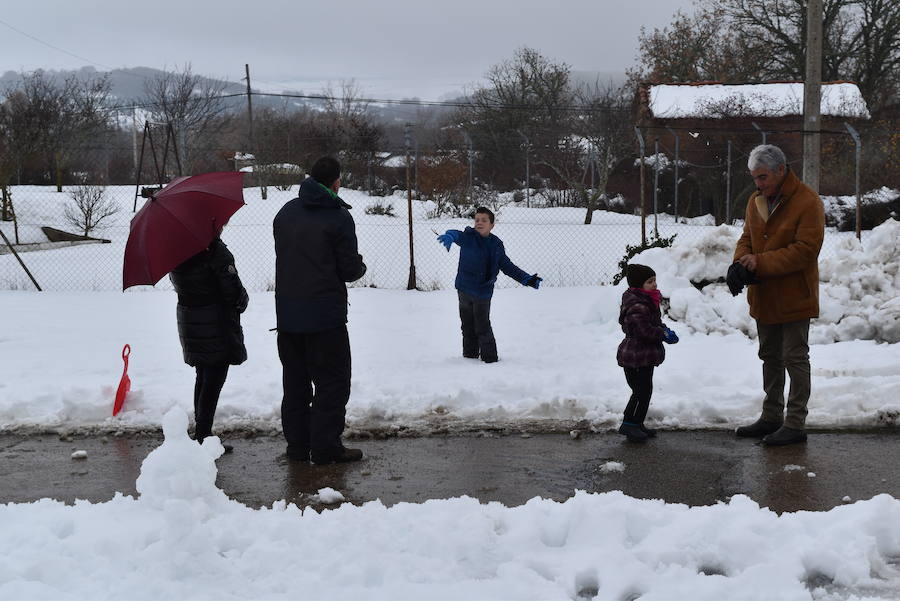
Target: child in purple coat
(642,349)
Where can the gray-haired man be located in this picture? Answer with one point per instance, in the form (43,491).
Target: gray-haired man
(783,231)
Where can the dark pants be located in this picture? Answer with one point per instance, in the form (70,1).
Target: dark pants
(207,386)
(478,337)
(316,380)
(640,380)
(785,346)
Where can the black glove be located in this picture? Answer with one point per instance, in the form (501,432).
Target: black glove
(739,276)
(734,284)
(534,281)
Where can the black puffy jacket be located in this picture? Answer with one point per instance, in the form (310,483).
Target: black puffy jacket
(315,254)
(210,301)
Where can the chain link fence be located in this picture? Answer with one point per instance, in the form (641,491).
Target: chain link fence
(541,234)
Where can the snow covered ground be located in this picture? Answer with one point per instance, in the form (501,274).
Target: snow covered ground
(557,346)
(183,538)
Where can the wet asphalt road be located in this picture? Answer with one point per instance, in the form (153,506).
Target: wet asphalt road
(692,467)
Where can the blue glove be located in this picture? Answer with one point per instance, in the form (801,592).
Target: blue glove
(448,238)
(670,337)
(534,281)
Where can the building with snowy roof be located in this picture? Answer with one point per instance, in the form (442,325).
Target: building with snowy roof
(706,123)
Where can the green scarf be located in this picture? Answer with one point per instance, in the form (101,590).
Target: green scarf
(329,190)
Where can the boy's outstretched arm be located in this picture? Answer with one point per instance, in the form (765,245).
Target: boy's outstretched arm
(448,238)
(510,269)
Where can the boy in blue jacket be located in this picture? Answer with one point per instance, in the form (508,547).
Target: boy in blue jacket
(481,258)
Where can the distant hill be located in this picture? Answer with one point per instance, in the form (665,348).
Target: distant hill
(127,86)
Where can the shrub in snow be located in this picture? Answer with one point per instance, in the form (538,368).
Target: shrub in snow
(635,249)
(381,208)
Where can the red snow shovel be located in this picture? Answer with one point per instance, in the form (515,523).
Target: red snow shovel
(124,383)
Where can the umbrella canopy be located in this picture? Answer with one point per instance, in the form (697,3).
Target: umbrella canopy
(178,222)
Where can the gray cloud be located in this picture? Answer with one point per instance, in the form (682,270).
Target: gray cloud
(422,47)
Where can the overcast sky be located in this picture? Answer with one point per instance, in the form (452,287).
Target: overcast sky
(392,47)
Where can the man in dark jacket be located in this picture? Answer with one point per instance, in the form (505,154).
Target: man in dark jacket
(315,254)
(210,301)
(482,257)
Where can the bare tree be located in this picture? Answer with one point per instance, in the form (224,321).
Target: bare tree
(52,119)
(605,125)
(191,103)
(747,40)
(89,208)
(528,93)
(698,48)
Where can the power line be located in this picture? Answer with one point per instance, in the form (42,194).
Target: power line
(64,51)
(57,48)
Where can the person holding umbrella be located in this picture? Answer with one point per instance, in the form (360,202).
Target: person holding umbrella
(211,299)
(177,232)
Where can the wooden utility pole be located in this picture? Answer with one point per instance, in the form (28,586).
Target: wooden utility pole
(411,282)
(249,109)
(812,95)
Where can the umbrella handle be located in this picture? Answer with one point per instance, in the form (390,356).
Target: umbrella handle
(126,350)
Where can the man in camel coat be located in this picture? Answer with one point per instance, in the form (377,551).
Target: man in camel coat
(783,232)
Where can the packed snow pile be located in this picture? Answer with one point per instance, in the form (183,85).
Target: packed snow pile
(840,209)
(860,300)
(176,542)
(180,471)
(858,295)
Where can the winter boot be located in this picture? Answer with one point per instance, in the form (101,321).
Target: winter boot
(757,429)
(783,436)
(344,455)
(633,432)
(297,453)
(650,432)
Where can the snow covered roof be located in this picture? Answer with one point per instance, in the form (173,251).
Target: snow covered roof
(273,168)
(395,161)
(715,100)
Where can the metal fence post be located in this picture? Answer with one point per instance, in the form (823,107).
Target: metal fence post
(471,154)
(655,187)
(677,141)
(728,187)
(760,130)
(640,138)
(856,140)
(527,169)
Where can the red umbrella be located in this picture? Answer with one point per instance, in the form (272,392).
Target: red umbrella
(178,222)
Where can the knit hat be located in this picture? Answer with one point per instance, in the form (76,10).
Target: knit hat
(636,274)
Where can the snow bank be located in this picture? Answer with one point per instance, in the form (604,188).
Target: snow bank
(177,541)
(859,286)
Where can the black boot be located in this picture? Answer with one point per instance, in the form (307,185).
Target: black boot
(757,429)
(344,455)
(633,432)
(297,453)
(650,432)
(783,436)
